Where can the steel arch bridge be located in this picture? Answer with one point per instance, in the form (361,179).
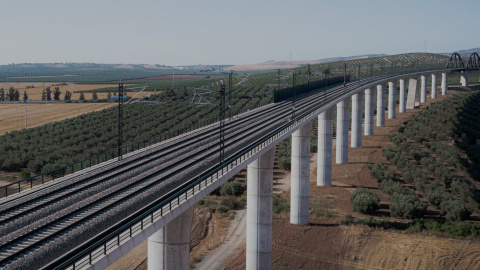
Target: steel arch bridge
(473,61)
(456,62)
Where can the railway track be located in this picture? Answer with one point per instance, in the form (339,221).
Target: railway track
(52,219)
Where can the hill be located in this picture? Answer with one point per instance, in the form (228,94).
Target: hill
(366,59)
(468,51)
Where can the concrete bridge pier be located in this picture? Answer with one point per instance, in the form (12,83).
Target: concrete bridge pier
(169,247)
(325,148)
(259,212)
(392,99)
(357,115)
(412,96)
(369,110)
(403,97)
(423,89)
(444,84)
(342,132)
(380,106)
(464,78)
(300,177)
(434,86)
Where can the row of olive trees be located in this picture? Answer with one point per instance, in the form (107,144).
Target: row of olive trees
(40,149)
(428,168)
(453,119)
(430,177)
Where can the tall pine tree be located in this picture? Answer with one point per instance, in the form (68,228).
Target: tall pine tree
(11,94)
(17,95)
(68,95)
(49,93)
(56,93)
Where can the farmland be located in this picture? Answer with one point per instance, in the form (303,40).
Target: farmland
(76,138)
(438,195)
(85,72)
(13,115)
(34,89)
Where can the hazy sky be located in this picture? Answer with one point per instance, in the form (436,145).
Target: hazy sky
(230,32)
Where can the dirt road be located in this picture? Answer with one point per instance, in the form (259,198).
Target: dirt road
(235,237)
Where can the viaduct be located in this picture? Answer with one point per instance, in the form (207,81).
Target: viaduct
(166,220)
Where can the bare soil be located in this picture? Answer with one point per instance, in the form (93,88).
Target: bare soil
(324,244)
(12,116)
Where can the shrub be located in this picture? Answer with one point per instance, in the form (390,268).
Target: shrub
(280,204)
(232,188)
(380,172)
(461,188)
(436,194)
(284,163)
(24,174)
(406,206)
(223,209)
(454,210)
(391,187)
(364,201)
(230,202)
(284,154)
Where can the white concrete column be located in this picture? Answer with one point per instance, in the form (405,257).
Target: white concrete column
(169,247)
(259,212)
(423,89)
(300,177)
(464,78)
(412,96)
(380,106)
(325,148)
(357,114)
(369,112)
(342,132)
(403,97)
(392,99)
(434,86)
(444,84)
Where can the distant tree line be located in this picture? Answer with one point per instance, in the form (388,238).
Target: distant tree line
(12,94)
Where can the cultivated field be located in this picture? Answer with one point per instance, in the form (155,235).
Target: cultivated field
(35,93)
(12,116)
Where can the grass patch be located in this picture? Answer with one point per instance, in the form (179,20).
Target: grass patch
(456,229)
(280,204)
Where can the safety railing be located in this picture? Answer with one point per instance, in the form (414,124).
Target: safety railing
(111,155)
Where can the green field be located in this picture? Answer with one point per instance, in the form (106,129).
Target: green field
(87,73)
